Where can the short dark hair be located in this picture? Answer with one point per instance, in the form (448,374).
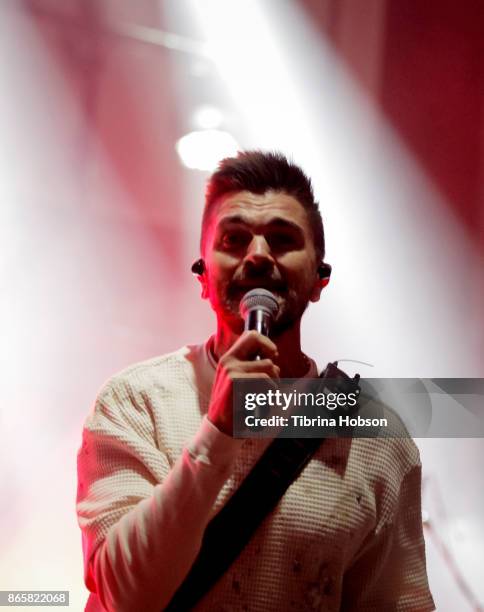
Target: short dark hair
(258,172)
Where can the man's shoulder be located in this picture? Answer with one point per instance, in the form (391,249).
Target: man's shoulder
(132,399)
(388,457)
(389,449)
(156,373)
(153,365)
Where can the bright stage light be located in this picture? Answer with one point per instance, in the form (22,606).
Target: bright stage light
(207,117)
(202,150)
(246,50)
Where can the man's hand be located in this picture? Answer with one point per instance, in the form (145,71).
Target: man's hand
(238,362)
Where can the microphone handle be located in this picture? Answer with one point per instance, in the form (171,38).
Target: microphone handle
(259,320)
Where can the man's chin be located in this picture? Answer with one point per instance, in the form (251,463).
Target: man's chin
(289,314)
(284,322)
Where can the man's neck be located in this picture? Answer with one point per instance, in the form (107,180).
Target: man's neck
(292,361)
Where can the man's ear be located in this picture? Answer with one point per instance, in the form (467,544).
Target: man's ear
(203,283)
(198,268)
(323,275)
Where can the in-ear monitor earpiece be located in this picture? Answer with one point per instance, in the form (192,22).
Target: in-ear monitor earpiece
(324,271)
(198,267)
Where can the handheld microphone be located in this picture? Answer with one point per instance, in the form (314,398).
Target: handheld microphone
(259,308)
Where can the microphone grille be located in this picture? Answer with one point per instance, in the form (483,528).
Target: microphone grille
(259,299)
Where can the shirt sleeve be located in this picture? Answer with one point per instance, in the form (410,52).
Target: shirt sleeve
(390,572)
(142,519)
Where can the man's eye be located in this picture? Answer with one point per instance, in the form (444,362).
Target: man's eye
(231,240)
(281,240)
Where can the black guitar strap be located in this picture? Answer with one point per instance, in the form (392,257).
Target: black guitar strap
(230,530)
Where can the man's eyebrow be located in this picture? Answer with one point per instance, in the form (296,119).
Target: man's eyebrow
(233,219)
(275,222)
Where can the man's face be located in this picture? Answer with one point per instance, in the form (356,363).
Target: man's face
(259,241)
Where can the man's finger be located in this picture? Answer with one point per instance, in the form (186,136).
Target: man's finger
(253,343)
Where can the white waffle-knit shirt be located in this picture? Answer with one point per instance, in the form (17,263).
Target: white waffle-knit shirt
(152,471)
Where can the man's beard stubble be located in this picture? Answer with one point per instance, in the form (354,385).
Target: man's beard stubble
(291,309)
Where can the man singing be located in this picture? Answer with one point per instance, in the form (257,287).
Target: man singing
(158,459)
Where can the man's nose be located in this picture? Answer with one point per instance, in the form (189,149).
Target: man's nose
(259,254)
